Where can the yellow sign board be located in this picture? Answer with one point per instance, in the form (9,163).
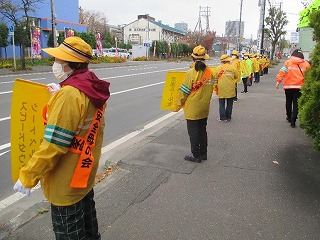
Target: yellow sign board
(170,89)
(26,126)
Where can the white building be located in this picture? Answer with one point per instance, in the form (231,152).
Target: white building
(146,29)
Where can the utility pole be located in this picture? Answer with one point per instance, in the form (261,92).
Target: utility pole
(239,38)
(54,27)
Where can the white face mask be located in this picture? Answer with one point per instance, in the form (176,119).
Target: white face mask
(233,57)
(58,71)
(245,57)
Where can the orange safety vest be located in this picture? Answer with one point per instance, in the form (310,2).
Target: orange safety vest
(83,146)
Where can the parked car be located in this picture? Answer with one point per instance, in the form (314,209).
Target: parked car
(115,52)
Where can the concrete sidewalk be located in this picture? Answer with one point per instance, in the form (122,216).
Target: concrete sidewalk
(261,181)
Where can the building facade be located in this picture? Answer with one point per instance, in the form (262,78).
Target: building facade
(67,18)
(181,26)
(146,29)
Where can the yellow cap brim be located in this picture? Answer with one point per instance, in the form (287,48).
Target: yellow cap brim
(205,57)
(60,53)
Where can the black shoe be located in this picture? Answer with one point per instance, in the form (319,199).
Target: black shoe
(191,158)
(293,124)
(288,119)
(204,157)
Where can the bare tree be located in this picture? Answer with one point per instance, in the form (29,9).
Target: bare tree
(306,3)
(275,24)
(96,21)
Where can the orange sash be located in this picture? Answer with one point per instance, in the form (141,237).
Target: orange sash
(219,76)
(205,78)
(84,146)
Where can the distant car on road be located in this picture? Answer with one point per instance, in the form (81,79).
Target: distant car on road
(115,52)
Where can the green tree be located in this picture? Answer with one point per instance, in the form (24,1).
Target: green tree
(4,31)
(275,25)
(309,103)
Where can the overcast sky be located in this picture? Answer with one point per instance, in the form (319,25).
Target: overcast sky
(174,11)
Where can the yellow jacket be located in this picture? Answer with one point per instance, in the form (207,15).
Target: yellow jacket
(52,163)
(255,65)
(195,104)
(236,63)
(227,80)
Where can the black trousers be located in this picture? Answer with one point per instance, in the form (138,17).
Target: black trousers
(197,130)
(292,109)
(245,84)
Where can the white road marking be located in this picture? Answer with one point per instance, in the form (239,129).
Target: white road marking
(135,133)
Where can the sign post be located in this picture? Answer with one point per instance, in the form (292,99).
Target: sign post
(11,32)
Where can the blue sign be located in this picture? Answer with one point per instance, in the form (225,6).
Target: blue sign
(11,29)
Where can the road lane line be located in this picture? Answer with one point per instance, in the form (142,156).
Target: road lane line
(4,119)
(135,133)
(14,198)
(4,146)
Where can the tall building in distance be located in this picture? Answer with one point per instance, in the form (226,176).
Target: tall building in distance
(232,29)
(181,26)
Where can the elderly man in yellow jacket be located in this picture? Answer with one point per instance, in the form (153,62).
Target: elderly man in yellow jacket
(227,76)
(194,97)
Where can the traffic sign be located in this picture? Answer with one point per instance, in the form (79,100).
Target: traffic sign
(11,30)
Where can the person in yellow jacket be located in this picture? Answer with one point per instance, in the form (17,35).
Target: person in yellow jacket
(256,68)
(262,62)
(292,76)
(194,97)
(227,76)
(245,71)
(236,63)
(266,65)
(68,158)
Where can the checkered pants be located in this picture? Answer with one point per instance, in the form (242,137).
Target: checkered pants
(77,221)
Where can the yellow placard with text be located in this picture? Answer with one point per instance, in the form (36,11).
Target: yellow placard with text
(26,125)
(170,90)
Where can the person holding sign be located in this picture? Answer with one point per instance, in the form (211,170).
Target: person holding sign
(194,97)
(68,158)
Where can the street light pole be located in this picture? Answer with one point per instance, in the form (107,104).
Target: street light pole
(262,26)
(54,27)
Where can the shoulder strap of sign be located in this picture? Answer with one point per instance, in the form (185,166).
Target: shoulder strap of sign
(84,147)
(204,79)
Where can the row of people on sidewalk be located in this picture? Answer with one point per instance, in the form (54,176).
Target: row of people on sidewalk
(251,66)
(67,160)
(201,81)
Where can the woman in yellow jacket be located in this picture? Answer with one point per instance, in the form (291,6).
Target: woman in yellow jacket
(256,68)
(68,158)
(245,71)
(227,76)
(194,97)
(292,76)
